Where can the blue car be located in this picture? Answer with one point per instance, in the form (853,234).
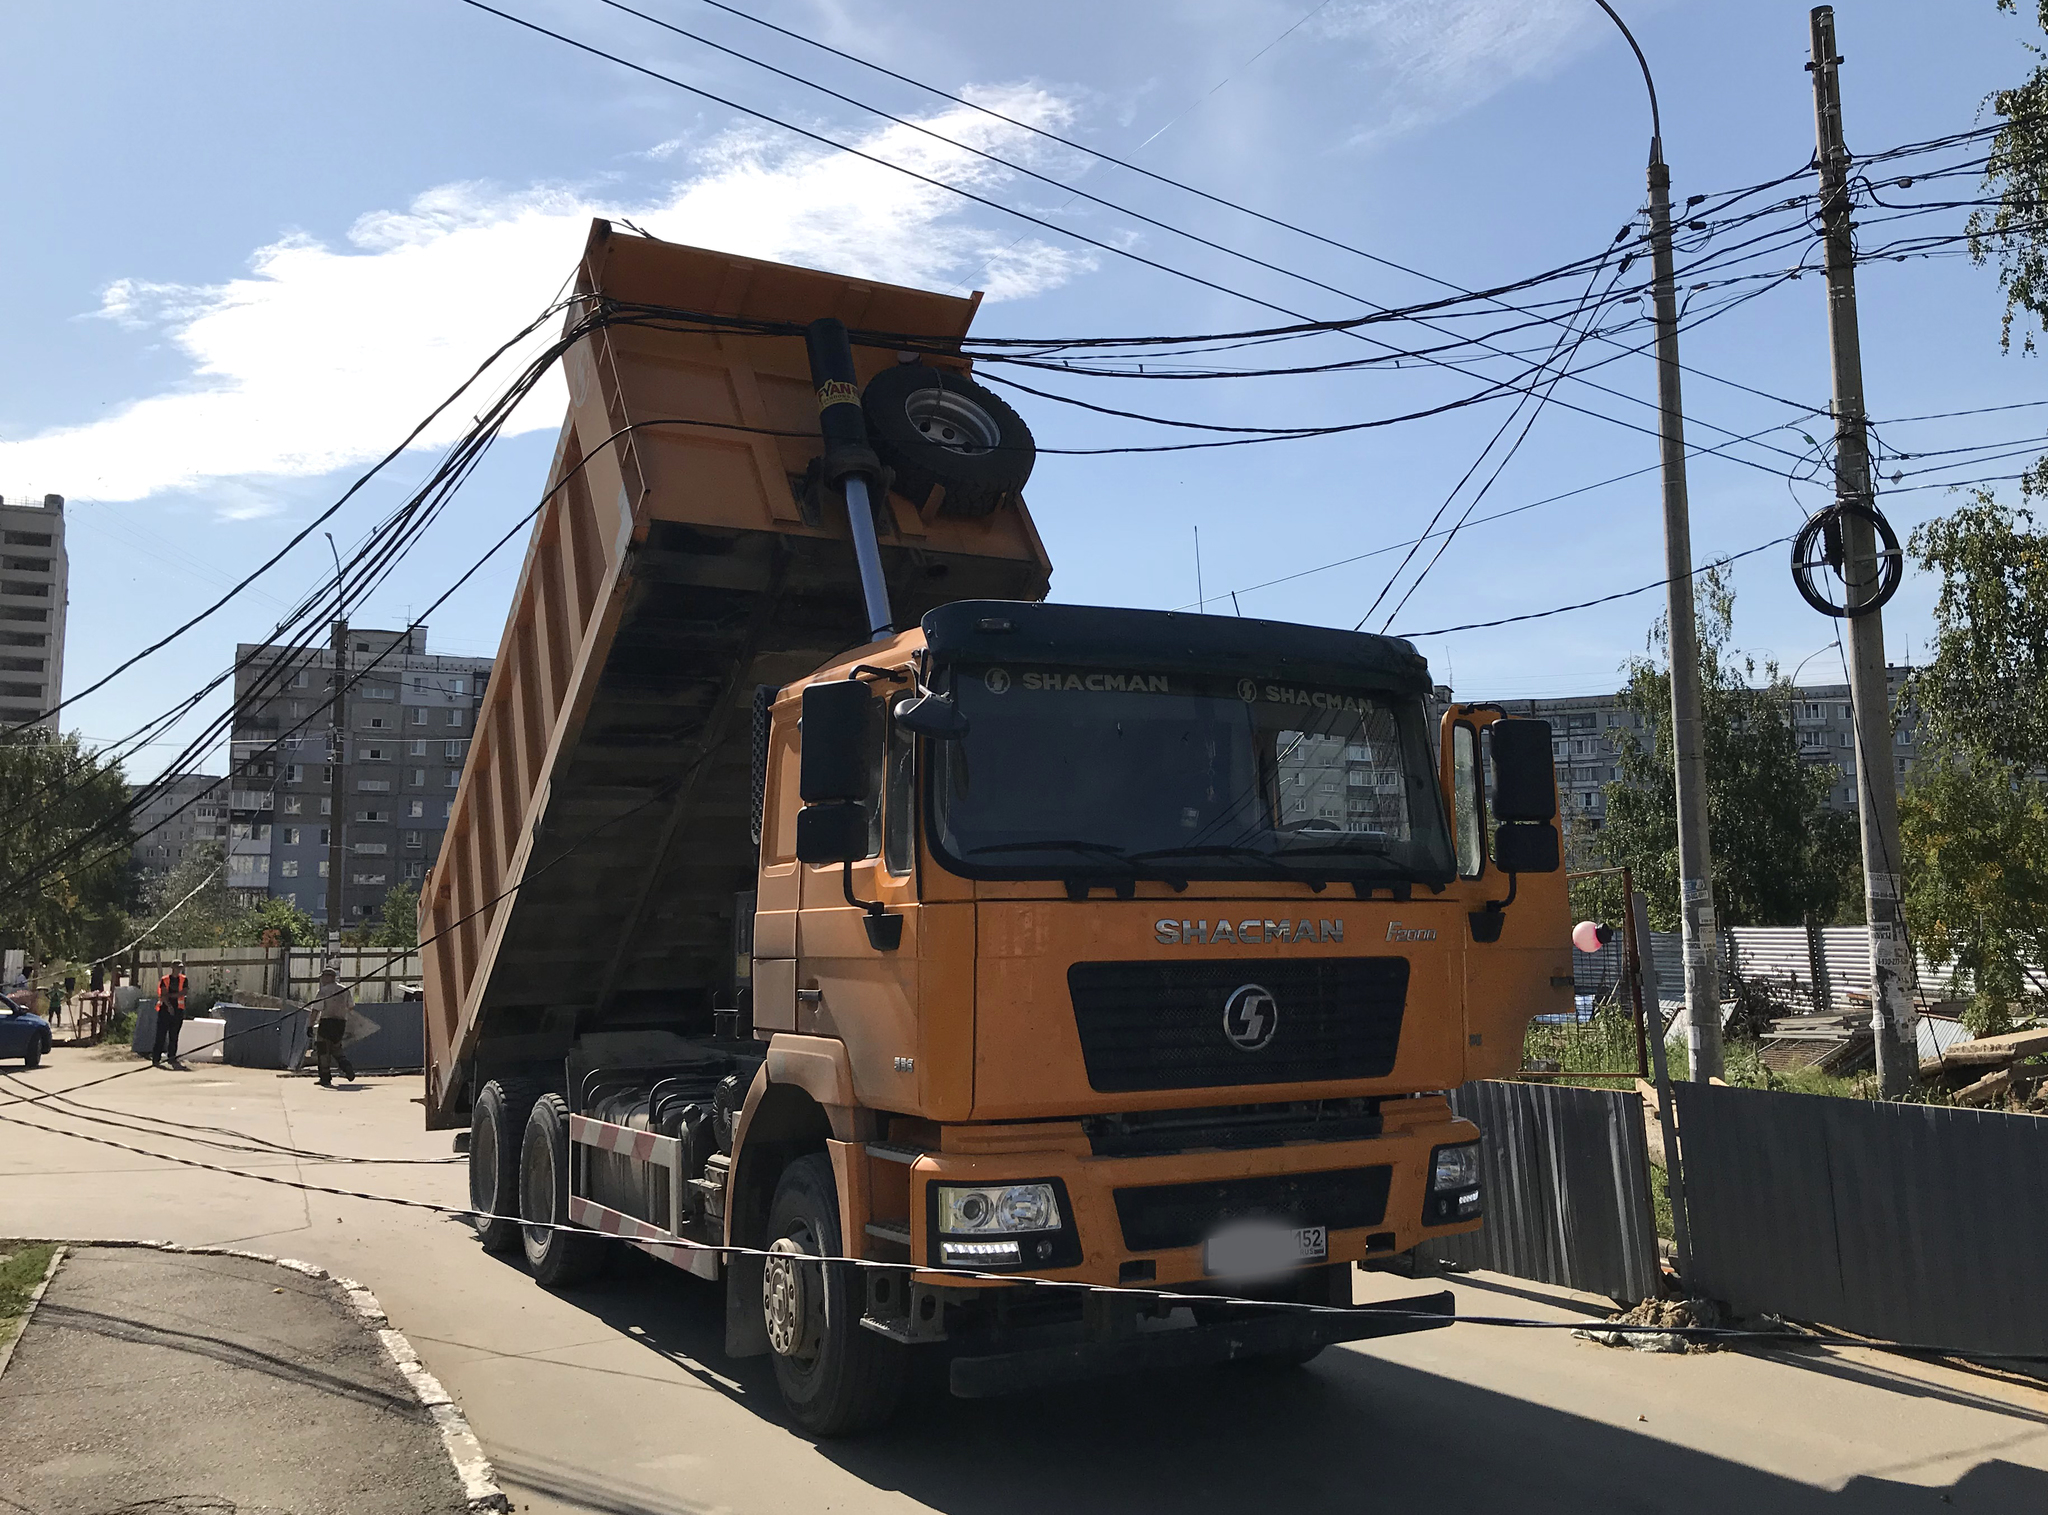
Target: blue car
(22,1035)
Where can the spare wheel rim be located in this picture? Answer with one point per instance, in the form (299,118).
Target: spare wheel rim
(953,421)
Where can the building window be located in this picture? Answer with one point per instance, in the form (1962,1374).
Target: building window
(289,868)
(452,751)
(373,786)
(294,773)
(291,836)
(293,805)
(453,777)
(299,679)
(376,754)
(419,745)
(447,809)
(454,717)
(418,779)
(371,849)
(418,713)
(415,870)
(367,878)
(373,817)
(458,686)
(414,840)
(415,809)
(323,867)
(327,806)
(378,723)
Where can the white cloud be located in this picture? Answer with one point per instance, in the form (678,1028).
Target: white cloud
(1430,59)
(321,357)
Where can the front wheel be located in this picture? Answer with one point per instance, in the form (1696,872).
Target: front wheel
(559,1255)
(836,1376)
(33,1058)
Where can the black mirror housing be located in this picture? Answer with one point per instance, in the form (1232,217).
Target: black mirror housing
(1527,847)
(1524,773)
(836,754)
(929,715)
(835,832)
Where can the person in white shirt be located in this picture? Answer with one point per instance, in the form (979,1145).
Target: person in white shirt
(330,1009)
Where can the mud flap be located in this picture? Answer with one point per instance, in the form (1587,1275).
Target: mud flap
(746,1333)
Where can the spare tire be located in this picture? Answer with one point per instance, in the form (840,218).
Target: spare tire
(938,428)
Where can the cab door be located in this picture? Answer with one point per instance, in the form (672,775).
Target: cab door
(852,984)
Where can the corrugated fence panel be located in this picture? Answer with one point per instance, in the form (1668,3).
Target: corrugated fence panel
(1566,1178)
(1915,1223)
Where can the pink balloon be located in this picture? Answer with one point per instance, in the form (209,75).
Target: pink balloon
(1590,936)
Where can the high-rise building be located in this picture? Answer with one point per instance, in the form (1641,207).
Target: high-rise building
(34,586)
(408,719)
(181,811)
(1583,741)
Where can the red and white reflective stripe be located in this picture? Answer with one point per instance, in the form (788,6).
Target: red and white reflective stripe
(702,1261)
(642,1146)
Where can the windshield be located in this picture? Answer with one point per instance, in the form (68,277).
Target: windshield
(1171,774)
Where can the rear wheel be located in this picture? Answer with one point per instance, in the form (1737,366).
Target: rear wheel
(33,1058)
(835,1375)
(497,1125)
(559,1257)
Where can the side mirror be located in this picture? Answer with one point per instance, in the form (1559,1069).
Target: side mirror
(929,715)
(1524,775)
(833,832)
(1526,847)
(837,742)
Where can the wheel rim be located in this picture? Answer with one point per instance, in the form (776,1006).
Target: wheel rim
(537,1192)
(483,1170)
(952,421)
(792,1299)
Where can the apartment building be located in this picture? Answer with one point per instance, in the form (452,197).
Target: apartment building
(34,587)
(408,719)
(181,811)
(1583,731)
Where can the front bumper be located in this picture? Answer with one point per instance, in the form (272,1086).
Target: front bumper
(1140,1220)
(1277,1333)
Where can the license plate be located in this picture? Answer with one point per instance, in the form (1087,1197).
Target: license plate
(1250,1250)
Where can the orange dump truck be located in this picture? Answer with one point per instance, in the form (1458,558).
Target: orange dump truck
(815,890)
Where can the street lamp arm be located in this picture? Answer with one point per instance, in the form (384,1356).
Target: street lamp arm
(1656,123)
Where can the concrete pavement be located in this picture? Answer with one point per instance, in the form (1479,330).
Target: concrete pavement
(616,1398)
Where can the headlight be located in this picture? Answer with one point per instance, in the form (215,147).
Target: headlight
(997,1209)
(1455,1168)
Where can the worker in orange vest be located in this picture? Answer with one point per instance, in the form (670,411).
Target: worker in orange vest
(170,1015)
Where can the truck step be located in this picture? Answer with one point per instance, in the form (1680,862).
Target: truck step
(890,1152)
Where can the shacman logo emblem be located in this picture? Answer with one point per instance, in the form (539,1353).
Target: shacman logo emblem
(1250,1017)
(998,680)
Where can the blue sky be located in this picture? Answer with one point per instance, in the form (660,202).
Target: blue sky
(252,244)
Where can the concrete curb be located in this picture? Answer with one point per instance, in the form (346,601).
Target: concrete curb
(35,1298)
(465,1453)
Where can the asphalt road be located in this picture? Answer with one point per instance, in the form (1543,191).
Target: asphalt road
(166,1381)
(616,1398)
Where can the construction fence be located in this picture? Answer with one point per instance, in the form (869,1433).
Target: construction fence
(375,974)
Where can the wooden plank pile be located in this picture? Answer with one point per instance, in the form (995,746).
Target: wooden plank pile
(1992,1069)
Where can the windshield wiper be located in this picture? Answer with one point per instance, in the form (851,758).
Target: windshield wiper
(1360,848)
(1056,844)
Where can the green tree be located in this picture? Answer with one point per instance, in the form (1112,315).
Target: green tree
(1779,852)
(401,924)
(67,831)
(190,906)
(1974,819)
(2014,231)
(293,926)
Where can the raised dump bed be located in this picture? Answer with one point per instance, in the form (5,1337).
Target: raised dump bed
(603,830)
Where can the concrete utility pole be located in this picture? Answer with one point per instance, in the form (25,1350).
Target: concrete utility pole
(337,751)
(1695,853)
(1892,1016)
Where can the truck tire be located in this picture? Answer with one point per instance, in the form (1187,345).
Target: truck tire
(936,427)
(836,1376)
(497,1125)
(559,1258)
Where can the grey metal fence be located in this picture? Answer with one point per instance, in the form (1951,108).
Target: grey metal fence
(1566,1175)
(1915,1223)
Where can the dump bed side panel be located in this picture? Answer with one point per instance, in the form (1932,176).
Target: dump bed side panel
(603,826)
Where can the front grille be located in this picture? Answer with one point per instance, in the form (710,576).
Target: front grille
(1231,1128)
(1154,1025)
(1184,1215)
